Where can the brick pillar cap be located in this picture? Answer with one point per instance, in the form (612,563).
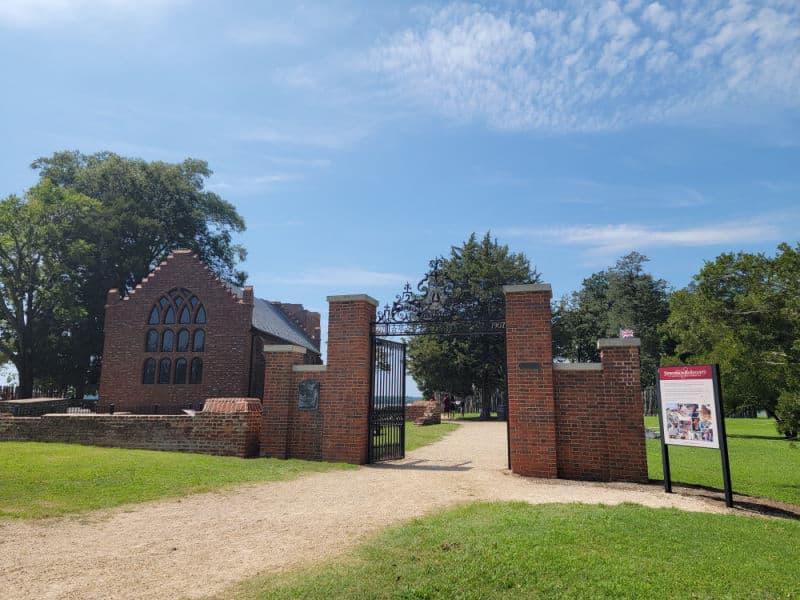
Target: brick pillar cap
(284,348)
(527,287)
(353,298)
(618,343)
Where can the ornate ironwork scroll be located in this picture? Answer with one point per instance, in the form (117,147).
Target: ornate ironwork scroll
(439,306)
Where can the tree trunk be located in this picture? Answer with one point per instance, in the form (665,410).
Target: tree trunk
(25,374)
(486,403)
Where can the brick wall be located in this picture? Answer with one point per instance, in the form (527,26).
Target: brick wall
(576,421)
(228,427)
(305,437)
(226,356)
(581,422)
(34,407)
(280,394)
(417,410)
(337,430)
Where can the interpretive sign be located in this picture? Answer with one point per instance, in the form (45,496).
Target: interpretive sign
(689,406)
(690,414)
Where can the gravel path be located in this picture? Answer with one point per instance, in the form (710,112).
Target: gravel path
(197,546)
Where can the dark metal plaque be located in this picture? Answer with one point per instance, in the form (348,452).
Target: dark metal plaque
(309,395)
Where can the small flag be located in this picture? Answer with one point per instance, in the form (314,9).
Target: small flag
(626,333)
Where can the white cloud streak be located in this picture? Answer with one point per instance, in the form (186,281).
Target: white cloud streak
(616,238)
(35,14)
(253,183)
(338,277)
(587,66)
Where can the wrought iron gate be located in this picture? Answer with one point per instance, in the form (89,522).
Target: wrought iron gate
(387,408)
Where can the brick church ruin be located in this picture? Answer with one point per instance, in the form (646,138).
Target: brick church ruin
(182,336)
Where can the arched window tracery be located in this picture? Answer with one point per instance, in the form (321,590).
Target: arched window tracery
(175,306)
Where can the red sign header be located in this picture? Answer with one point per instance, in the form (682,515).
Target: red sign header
(684,372)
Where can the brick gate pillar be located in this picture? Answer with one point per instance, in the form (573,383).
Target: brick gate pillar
(624,409)
(529,360)
(345,405)
(279,395)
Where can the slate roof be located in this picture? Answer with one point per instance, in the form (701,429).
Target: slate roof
(271,320)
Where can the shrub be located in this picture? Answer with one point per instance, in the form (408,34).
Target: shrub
(787,413)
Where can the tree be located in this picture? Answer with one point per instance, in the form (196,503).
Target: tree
(463,364)
(144,210)
(621,297)
(741,312)
(38,279)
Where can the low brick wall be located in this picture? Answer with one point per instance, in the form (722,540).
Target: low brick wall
(416,410)
(227,427)
(34,407)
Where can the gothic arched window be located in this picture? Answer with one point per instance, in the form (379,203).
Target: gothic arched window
(196,373)
(180,371)
(164,366)
(180,306)
(149,371)
(151,341)
(183,341)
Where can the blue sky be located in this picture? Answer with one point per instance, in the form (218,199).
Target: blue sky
(361,139)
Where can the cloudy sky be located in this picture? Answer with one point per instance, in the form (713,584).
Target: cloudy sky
(361,139)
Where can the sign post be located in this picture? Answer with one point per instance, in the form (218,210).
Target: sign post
(690,414)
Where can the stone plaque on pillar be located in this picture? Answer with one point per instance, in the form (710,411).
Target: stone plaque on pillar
(309,395)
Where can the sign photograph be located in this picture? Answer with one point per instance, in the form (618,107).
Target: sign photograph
(689,406)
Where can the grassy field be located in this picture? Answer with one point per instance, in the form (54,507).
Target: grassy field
(763,463)
(417,436)
(44,480)
(514,550)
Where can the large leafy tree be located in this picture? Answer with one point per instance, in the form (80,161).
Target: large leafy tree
(143,211)
(741,311)
(620,297)
(42,247)
(463,364)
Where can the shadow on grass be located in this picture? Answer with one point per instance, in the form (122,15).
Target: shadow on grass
(761,506)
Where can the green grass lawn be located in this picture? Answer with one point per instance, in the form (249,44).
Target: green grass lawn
(763,463)
(422,435)
(44,480)
(515,550)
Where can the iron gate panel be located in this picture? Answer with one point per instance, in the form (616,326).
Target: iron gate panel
(387,409)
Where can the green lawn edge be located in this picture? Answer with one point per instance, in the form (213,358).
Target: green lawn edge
(41,480)
(517,550)
(763,463)
(423,435)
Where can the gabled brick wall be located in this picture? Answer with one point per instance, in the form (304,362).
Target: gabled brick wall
(226,357)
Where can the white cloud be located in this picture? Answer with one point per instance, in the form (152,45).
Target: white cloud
(32,14)
(332,139)
(338,277)
(593,66)
(658,16)
(253,183)
(617,238)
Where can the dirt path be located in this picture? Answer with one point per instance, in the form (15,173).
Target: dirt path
(197,546)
